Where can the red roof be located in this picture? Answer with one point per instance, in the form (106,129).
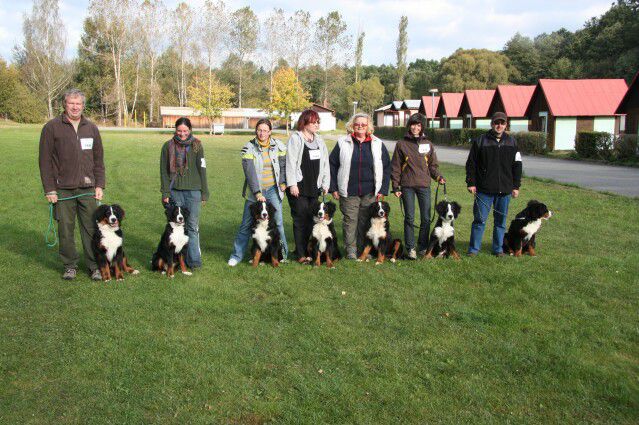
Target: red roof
(479,101)
(427,104)
(634,85)
(573,98)
(515,99)
(451,103)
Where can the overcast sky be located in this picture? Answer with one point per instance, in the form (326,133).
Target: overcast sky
(436,28)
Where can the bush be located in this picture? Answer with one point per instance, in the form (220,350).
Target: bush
(531,142)
(390,133)
(593,144)
(626,146)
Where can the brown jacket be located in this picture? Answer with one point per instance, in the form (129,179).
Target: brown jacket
(414,163)
(70,160)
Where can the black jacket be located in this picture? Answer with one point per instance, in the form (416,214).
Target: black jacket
(492,166)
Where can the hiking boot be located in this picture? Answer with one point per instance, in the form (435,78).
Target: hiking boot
(69,273)
(96,275)
(412,254)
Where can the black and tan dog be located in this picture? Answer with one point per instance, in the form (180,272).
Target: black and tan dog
(378,240)
(523,229)
(173,243)
(266,237)
(107,243)
(322,245)
(442,237)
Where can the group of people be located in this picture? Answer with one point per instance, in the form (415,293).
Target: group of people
(357,172)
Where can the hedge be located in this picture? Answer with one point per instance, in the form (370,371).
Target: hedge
(626,146)
(594,144)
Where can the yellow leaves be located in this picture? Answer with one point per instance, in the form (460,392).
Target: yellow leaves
(209,97)
(288,93)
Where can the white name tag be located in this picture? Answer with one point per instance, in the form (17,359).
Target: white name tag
(314,154)
(424,148)
(203,164)
(87,143)
(518,157)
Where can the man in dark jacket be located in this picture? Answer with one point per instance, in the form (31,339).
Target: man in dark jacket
(72,166)
(493,174)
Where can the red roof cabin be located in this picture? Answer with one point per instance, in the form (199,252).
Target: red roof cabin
(561,108)
(448,110)
(474,108)
(513,101)
(630,106)
(428,107)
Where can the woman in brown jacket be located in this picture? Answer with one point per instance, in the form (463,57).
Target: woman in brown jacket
(414,163)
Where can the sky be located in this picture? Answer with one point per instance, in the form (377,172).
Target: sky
(436,28)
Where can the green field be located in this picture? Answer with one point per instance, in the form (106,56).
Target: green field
(551,339)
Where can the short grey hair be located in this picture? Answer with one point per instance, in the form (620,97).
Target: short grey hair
(349,124)
(74,93)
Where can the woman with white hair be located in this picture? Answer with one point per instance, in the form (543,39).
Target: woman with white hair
(360,174)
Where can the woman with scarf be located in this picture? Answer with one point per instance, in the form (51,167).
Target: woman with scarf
(414,164)
(183,182)
(264,165)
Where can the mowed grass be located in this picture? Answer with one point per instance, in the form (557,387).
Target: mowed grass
(551,339)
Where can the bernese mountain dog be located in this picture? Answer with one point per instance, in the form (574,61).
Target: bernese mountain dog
(266,237)
(322,245)
(107,243)
(378,240)
(442,238)
(521,233)
(173,244)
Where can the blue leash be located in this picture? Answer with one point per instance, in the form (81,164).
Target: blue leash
(51,228)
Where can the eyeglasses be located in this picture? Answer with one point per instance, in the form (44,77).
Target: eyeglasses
(360,125)
(315,122)
(499,122)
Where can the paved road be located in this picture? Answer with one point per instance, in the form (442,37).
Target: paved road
(614,179)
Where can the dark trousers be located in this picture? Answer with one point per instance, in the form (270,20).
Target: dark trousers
(423,199)
(302,221)
(65,212)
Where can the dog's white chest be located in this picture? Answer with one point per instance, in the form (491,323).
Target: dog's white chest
(261,236)
(178,238)
(110,240)
(444,232)
(321,232)
(377,230)
(531,228)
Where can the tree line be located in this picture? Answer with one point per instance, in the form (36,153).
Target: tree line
(134,56)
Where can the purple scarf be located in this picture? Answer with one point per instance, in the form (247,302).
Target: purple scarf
(177,154)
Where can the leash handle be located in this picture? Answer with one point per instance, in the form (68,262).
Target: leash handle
(51,234)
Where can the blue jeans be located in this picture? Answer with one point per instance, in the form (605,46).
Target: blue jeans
(244,234)
(481,209)
(192,200)
(423,199)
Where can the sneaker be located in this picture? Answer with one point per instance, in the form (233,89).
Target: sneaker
(96,275)
(233,262)
(284,261)
(351,256)
(422,253)
(69,274)
(412,254)
(471,254)
(499,254)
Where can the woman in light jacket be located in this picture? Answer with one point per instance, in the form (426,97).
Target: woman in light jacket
(264,165)
(360,173)
(307,176)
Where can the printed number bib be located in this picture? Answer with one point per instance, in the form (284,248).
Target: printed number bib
(314,154)
(424,149)
(87,143)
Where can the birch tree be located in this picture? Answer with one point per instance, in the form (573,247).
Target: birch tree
(299,38)
(402,48)
(41,55)
(152,30)
(332,42)
(213,25)
(359,50)
(274,41)
(242,40)
(182,35)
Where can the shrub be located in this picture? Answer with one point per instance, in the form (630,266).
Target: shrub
(593,144)
(626,146)
(531,142)
(390,133)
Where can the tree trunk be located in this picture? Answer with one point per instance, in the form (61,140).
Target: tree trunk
(240,88)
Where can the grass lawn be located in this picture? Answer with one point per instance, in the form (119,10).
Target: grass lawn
(551,339)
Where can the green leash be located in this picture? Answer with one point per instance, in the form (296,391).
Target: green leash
(51,242)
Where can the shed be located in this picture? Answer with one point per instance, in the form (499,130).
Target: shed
(448,110)
(561,108)
(328,121)
(474,108)
(428,107)
(630,106)
(384,116)
(245,118)
(513,101)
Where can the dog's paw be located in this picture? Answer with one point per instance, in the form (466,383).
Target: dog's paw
(187,273)
(135,272)
(377,263)
(393,260)
(163,272)
(359,260)
(120,279)
(172,276)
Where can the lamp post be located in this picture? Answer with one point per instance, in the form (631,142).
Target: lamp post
(432,106)
(354,107)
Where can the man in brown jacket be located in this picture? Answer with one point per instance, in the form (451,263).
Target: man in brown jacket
(72,166)
(414,163)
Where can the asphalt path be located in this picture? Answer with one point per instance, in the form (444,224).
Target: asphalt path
(605,178)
